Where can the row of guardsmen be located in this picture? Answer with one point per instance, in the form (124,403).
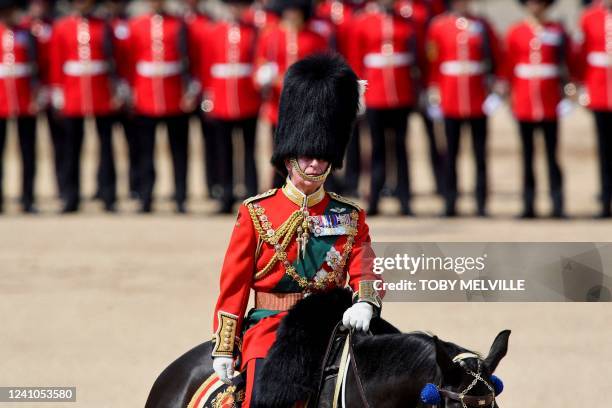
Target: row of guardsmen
(429,57)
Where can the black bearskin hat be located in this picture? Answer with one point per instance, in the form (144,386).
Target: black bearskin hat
(317,112)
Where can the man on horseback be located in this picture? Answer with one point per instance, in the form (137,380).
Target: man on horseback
(299,239)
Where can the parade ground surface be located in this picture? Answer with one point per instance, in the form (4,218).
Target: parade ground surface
(105,302)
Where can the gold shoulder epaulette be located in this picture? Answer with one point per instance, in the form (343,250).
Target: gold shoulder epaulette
(338,197)
(260,196)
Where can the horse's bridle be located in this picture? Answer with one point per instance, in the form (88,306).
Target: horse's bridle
(467,401)
(470,400)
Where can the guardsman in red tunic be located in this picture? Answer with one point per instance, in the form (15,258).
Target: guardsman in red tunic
(280,46)
(421,13)
(198,24)
(164,92)
(82,74)
(261,15)
(18,89)
(596,59)
(538,52)
(39,20)
(386,54)
(117,16)
(463,53)
(298,239)
(340,14)
(226,72)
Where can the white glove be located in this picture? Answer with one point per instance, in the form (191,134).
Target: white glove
(57,98)
(224,368)
(266,74)
(358,316)
(363,86)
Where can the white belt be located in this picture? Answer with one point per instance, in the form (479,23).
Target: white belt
(16,70)
(379,60)
(159,69)
(454,68)
(79,68)
(599,59)
(531,71)
(231,70)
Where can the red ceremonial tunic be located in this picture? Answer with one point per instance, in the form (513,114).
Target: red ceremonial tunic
(159,47)
(42,31)
(278,48)
(341,16)
(121,50)
(81,64)
(17,69)
(438,6)
(536,59)
(386,54)
(338,255)
(226,70)
(596,56)
(420,13)
(260,18)
(463,51)
(198,27)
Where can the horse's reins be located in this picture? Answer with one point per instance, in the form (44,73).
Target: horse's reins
(360,388)
(353,364)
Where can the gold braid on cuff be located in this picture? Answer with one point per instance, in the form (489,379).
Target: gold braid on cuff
(225,336)
(367,293)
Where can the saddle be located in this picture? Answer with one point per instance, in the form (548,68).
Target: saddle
(213,393)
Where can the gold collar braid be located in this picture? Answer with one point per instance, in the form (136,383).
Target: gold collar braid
(299,198)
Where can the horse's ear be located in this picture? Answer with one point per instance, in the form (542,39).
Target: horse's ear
(498,350)
(450,371)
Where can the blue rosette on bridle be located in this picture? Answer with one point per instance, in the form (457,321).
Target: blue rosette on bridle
(430,394)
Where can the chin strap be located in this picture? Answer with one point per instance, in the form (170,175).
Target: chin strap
(308,177)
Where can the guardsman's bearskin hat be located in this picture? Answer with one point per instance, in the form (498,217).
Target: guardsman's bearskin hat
(317,112)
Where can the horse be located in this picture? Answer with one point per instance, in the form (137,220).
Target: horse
(393,368)
(386,370)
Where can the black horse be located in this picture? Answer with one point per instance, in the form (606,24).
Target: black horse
(393,368)
(390,370)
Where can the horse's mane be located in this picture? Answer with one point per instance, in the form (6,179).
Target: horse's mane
(404,352)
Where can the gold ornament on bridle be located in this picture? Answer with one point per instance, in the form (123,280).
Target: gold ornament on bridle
(308,177)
